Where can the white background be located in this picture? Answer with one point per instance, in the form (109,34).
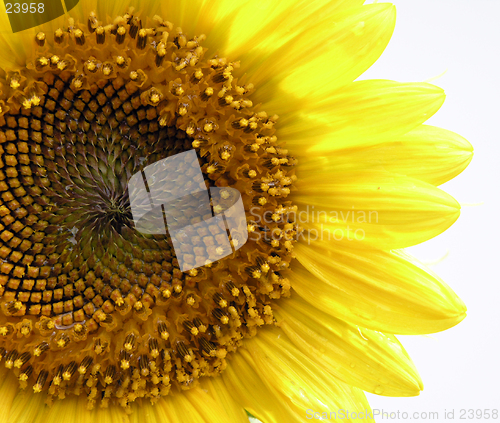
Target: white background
(459,367)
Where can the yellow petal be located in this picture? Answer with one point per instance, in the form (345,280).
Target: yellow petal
(8,389)
(428,153)
(296,379)
(244,384)
(364,113)
(205,404)
(327,55)
(263,25)
(379,290)
(370,360)
(194,405)
(432,154)
(371,208)
(216,388)
(28,407)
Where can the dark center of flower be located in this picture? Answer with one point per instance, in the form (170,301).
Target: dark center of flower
(89,304)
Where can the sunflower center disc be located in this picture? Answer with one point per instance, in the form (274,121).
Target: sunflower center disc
(90,305)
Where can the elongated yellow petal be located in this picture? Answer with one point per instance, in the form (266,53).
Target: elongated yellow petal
(432,154)
(9,387)
(428,153)
(248,26)
(372,361)
(364,113)
(373,208)
(206,404)
(24,406)
(220,393)
(327,55)
(298,381)
(245,385)
(194,405)
(27,407)
(378,290)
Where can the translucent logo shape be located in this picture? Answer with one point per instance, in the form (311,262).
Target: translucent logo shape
(28,14)
(204,225)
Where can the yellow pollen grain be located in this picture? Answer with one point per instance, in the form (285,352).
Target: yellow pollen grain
(155,98)
(256,274)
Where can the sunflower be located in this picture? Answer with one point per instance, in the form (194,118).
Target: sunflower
(99,323)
